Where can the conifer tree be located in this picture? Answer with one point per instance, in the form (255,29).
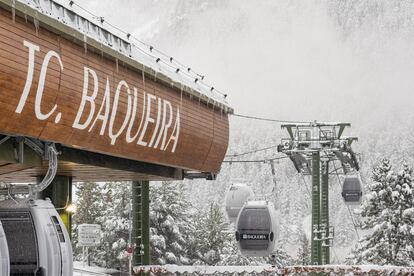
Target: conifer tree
(304,254)
(89,210)
(171,225)
(210,235)
(388,212)
(114,201)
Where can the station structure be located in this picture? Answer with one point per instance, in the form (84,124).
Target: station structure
(80,102)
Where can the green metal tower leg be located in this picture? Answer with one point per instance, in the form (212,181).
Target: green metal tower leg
(140,223)
(146,222)
(325,211)
(60,193)
(315,243)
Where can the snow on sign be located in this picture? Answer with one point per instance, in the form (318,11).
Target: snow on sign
(89,235)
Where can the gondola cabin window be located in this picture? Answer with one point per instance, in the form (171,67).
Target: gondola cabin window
(254,219)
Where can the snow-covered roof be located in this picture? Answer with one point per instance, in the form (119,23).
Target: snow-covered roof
(206,270)
(95,33)
(349,270)
(80,269)
(271,270)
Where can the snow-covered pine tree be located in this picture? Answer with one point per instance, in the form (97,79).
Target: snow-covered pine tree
(114,221)
(171,224)
(88,212)
(231,255)
(406,182)
(304,252)
(210,235)
(388,212)
(280,258)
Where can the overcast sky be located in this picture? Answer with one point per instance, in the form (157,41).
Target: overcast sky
(326,60)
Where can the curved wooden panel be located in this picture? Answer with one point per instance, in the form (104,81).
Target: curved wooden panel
(56,90)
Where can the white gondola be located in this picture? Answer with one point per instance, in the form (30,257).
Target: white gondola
(38,243)
(4,253)
(257,228)
(351,190)
(236,196)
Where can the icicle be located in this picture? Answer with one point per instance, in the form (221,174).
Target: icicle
(25,14)
(143,77)
(36,24)
(155,75)
(14,10)
(85,44)
(181,99)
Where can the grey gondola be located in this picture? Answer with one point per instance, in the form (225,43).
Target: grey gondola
(35,239)
(257,229)
(351,190)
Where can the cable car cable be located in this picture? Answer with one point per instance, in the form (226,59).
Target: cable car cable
(255,161)
(272,169)
(269,119)
(306,186)
(251,152)
(334,251)
(335,170)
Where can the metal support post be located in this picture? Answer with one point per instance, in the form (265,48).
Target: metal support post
(314,142)
(146,222)
(316,243)
(325,212)
(140,223)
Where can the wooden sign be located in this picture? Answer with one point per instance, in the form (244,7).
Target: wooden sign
(55,89)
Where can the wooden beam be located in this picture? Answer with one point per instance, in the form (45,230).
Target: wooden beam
(100,160)
(9,152)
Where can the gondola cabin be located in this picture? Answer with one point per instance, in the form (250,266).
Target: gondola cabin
(236,196)
(33,240)
(257,228)
(351,190)
(4,253)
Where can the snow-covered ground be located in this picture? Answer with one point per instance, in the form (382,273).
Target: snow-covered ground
(82,273)
(82,270)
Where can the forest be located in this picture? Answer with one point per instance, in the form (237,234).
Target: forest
(189,226)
